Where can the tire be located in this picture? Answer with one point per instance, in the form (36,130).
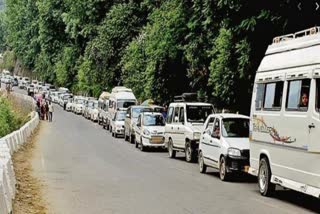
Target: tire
(172,153)
(131,138)
(190,153)
(224,175)
(141,147)
(266,188)
(136,144)
(126,138)
(202,165)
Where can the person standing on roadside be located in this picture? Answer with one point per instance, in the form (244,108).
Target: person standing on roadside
(47,110)
(51,110)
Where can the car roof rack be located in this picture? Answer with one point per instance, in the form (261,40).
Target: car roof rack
(186,97)
(307,32)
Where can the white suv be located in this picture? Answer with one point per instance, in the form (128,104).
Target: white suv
(184,126)
(224,144)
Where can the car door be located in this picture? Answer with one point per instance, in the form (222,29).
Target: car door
(181,128)
(175,128)
(206,137)
(127,122)
(214,142)
(138,128)
(168,127)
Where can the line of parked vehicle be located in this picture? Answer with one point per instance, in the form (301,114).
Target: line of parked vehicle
(278,143)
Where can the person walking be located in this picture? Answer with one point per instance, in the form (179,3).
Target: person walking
(47,110)
(51,110)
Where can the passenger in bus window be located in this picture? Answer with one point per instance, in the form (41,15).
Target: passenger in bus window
(304,100)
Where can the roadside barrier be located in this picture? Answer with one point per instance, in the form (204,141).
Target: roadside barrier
(8,145)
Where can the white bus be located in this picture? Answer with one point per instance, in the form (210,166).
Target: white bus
(285,116)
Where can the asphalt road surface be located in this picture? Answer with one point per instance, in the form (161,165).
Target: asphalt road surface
(88,171)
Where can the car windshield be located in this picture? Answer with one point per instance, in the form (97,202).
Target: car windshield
(198,114)
(121,116)
(235,127)
(81,101)
(137,111)
(153,120)
(90,104)
(125,103)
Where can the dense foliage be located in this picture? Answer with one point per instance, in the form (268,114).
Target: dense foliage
(159,48)
(11,117)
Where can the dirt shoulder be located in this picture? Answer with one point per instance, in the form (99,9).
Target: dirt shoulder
(29,198)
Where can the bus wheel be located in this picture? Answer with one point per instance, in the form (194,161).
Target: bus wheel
(264,178)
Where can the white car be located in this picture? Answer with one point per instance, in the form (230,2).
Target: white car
(225,144)
(69,104)
(184,126)
(79,105)
(149,130)
(117,123)
(94,112)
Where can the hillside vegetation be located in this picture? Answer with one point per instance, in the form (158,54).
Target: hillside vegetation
(159,48)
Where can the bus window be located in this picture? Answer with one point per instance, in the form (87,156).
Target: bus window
(273,96)
(317,95)
(298,95)
(259,96)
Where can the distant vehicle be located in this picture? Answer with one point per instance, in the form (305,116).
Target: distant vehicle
(224,144)
(117,124)
(88,108)
(103,104)
(149,131)
(15,82)
(121,98)
(69,104)
(184,126)
(285,128)
(79,105)
(63,90)
(131,118)
(30,90)
(94,112)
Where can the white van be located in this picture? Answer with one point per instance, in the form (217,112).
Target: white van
(224,144)
(184,126)
(285,116)
(120,98)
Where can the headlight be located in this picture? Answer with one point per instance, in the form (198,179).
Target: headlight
(146,132)
(234,152)
(196,135)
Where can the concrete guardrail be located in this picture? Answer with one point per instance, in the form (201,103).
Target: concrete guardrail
(8,145)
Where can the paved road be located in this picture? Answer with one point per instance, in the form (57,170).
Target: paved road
(88,171)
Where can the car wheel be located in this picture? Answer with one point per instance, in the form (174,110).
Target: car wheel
(190,156)
(224,175)
(202,165)
(264,178)
(141,146)
(172,152)
(131,138)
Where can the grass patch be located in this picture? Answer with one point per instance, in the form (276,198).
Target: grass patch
(13,114)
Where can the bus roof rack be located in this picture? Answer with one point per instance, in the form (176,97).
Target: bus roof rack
(186,97)
(307,32)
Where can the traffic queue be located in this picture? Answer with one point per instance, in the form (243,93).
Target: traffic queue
(278,143)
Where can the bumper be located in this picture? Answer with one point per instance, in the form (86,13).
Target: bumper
(153,141)
(119,131)
(237,164)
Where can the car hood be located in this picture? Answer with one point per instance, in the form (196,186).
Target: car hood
(119,123)
(239,143)
(196,127)
(154,129)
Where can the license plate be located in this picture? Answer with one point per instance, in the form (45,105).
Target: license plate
(157,140)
